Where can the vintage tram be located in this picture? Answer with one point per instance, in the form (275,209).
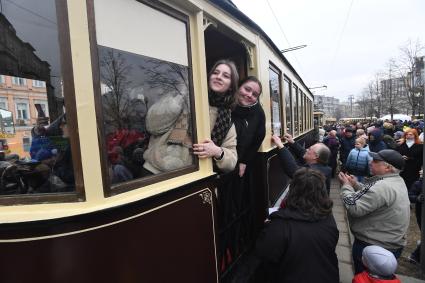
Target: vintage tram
(77,81)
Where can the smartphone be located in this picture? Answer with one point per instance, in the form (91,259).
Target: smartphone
(40,111)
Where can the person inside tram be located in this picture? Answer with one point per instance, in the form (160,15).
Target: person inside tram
(222,85)
(302,235)
(249,120)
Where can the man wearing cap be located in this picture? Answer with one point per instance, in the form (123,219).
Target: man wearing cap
(378,210)
(315,157)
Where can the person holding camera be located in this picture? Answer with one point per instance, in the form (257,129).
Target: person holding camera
(378,210)
(315,157)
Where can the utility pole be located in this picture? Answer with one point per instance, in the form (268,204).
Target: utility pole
(350,98)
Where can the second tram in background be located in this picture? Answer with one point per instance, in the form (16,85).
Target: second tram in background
(65,214)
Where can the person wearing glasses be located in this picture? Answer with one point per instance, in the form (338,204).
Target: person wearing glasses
(315,157)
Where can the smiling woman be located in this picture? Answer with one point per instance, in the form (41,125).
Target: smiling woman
(222,82)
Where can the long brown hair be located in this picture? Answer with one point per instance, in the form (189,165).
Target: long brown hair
(307,193)
(234,79)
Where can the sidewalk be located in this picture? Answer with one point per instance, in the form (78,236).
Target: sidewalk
(343,249)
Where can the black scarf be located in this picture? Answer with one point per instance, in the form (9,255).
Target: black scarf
(222,125)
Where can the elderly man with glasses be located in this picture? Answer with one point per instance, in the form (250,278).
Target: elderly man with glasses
(315,157)
(378,209)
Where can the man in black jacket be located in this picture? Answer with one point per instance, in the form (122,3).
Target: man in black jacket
(315,157)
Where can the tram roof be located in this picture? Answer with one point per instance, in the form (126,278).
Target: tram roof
(231,8)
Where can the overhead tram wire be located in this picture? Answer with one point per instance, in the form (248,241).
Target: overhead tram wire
(31,12)
(341,34)
(283,33)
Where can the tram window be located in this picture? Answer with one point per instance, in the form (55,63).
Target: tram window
(35,138)
(145,93)
(305,112)
(288,110)
(275,99)
(295,107)
(301,111)
(309,113)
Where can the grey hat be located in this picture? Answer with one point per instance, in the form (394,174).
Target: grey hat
(379,261)
(390,156)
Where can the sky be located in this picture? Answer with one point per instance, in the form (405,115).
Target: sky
(348,41)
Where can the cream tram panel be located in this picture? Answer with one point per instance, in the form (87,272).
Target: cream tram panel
(144,26)
(95,200)
(84,97)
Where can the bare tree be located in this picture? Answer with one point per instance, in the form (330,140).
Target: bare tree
(168,77)
(114,74)
(391,92)
(363,104)
(406,66)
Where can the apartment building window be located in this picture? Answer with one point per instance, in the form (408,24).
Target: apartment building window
(19,81)
(22,110)
(3,103)
(37,83)
(2,79)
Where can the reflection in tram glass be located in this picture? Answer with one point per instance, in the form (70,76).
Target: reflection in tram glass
(34,141)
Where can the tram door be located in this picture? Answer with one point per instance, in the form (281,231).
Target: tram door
(235,222)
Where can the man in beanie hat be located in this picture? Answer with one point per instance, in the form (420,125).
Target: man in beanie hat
(380,266)
(379,209)
(315,157)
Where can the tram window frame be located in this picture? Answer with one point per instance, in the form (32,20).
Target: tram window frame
(309,113)
(66,71)
(312,113)
(110,189)
(295,109)
(287,92)
(305,113)
(274,69)
(302,111)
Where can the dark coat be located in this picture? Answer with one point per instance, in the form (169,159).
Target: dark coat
(332,143)
(413,164)
(250,128)
(290,165)
(297,248)
(347,144)
(377,144)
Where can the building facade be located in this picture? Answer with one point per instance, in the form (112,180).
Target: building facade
(20,96)
(327,104)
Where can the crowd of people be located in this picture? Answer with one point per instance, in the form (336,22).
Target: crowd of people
(379,167)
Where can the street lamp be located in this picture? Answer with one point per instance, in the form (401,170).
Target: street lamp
(293,48)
